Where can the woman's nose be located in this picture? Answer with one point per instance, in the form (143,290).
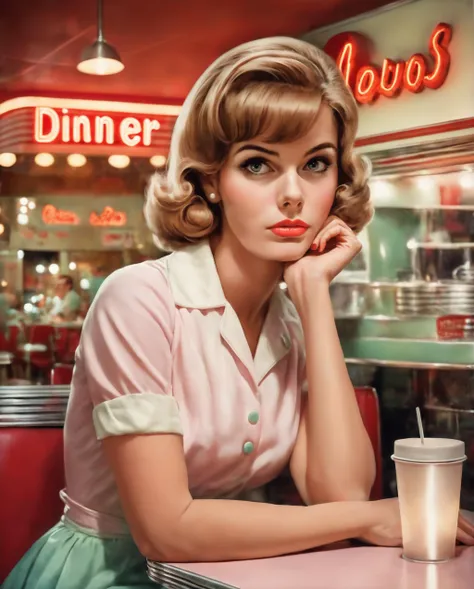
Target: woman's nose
(291,197)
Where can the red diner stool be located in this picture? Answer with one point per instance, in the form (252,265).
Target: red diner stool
(42,334)
(3,342)
(368,402)
(14,333)
(61,374)
(66,342)
(31,475)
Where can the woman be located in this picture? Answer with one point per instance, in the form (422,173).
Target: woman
(191,386)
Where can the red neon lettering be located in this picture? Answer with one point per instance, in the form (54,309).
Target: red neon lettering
(439,42)
(415,71)
(367,84)
(391,78)
(352,53)
(108,218)
(345,61)
(53,216)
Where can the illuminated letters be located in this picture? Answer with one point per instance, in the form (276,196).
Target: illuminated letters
(43,116)
(352,54)
(104,125)
(65,127)
(53,216)
(108,218)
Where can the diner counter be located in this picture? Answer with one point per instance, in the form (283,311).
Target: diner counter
(338,567)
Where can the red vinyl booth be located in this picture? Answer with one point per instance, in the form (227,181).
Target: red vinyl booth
(61,374)
(32,474)
(369,410)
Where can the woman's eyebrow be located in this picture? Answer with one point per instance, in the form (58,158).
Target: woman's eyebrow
(252,147)
(321,146)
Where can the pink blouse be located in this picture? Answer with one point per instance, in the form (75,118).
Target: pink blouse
(163,351)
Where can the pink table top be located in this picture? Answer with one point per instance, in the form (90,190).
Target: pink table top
(343,567)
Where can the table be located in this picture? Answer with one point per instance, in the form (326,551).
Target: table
(341,568)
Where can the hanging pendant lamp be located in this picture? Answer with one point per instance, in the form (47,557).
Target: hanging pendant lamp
(100,58)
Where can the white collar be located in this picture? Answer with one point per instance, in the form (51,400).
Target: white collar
(193,278)
(195,284)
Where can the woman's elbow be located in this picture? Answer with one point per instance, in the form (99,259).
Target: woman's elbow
(338,491)
(166,548)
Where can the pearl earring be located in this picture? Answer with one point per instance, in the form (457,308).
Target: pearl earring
(212,196)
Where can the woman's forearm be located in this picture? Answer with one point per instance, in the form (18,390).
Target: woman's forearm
(219,529)
(340,460)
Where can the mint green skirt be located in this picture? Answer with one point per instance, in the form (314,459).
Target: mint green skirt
(67,557)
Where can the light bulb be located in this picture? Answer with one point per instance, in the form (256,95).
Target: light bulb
(119,161)
(76,160)
(158,161)
(44,160)
(7,160)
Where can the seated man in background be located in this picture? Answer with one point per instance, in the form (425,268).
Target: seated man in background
(69,303)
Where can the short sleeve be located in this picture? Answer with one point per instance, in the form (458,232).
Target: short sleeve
(126,353)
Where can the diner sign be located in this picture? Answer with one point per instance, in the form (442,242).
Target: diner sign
(353,54)
(54,216)
(109,217)
(74,127)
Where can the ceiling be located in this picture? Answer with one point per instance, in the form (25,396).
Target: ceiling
(165,45)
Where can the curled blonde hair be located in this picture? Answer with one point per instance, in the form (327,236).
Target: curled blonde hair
(271,89)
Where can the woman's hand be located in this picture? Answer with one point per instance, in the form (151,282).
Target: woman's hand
(465,531)
(332,249)
(386,528)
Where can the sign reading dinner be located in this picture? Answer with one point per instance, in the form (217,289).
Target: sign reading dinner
(65,126)
(369,80)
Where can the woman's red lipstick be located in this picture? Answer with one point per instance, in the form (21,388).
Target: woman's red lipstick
(290,228)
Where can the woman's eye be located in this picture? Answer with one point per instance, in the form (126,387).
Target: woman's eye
(318,165)
(256,166)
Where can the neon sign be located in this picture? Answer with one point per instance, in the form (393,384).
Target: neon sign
(352,52)
(53,216)
(108,218)
(74,127)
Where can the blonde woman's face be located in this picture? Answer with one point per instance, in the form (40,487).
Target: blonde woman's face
(293,184)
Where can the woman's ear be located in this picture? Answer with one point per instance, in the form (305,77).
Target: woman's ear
(210,187)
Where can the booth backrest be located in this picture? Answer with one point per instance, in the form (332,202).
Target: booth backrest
(31,475)
(369,410)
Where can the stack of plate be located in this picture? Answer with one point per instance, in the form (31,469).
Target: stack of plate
(24,406)
(469,328)
(434,298)
(173,577)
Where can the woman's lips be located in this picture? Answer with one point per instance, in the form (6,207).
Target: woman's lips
(290,228)
(287,231)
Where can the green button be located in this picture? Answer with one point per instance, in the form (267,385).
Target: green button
(248,448)
(253,417)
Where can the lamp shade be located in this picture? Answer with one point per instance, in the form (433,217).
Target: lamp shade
(100,59)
